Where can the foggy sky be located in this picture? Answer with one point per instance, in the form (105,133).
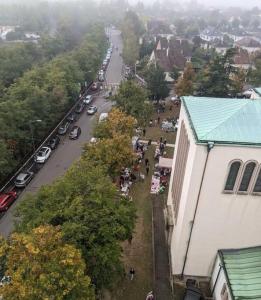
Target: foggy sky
(216,3)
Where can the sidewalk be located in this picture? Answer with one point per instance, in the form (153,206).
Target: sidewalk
(162,287)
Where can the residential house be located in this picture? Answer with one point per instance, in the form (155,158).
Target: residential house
(241,60)
(170,53)
(215,186)
(237,274)
(211,35)
(250,44)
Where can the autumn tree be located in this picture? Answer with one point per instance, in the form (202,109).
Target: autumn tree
(112,153)
(43,266)
(184,86)
(117,123)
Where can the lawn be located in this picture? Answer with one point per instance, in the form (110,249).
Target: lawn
(138,254)
(155,133)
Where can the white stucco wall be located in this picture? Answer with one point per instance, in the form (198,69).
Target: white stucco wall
(189,191)
(220,279)
(222,220)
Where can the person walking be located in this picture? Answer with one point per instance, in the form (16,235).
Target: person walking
(158,120)
(144,131)
(165,142)
(147,169)
(146,162)
(132,273)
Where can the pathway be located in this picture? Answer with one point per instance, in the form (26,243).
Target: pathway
(162,287)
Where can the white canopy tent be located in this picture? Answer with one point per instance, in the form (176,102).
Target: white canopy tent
(165,163)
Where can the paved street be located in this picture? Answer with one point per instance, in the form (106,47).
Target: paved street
(69,151)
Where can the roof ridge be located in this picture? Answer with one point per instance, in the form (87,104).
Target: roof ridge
(224,121)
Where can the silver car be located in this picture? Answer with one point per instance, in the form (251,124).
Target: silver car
(23,179)
(42,155)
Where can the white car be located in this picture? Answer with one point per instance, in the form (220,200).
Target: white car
(42,156)
(92,110)
(88,99)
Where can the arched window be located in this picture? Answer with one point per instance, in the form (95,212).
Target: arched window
(248,172)
(257,187)
(232,176)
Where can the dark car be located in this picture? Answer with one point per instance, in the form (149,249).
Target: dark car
(192,293)
(7,199)
(63,128)
(75,133)
(79,108)
(71,117)
(54,142)
(94,86)
(23,179)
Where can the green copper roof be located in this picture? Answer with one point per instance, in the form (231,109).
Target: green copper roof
(224,120)
(258,90)
(243,271)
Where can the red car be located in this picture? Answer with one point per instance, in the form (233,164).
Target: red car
(94,86)
(6,200)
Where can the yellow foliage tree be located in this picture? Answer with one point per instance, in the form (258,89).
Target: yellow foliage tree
(113,153)
(43,267)
(118,122)
(184,86)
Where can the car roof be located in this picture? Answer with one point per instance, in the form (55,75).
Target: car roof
(3,197)
(22,176)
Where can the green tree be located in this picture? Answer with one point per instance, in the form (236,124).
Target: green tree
(42,266)
(156,82)
(92,216)
(215,80)
(133,100)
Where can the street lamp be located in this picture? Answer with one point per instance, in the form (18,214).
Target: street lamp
(31,130)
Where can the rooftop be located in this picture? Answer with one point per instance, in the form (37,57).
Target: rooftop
(258,90)
(224,120)
(243,271)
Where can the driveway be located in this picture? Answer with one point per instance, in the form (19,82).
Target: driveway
(68,151)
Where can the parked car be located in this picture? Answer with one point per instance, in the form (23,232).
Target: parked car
(54,142)
(63,128)
(101,77)
(92,110)
(79,108)
(75,133)
(94,86)
(6,200)
(192,293)
(43,154)
(23,179)
(88,99)
(71,117)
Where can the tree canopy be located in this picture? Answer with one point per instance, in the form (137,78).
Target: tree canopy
(133,100)
(42,266)
(156,82)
